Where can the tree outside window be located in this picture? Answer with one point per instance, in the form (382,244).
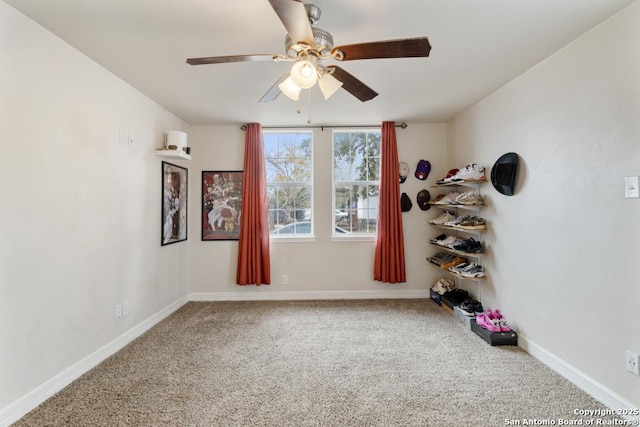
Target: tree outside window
(356,173)
(289,167)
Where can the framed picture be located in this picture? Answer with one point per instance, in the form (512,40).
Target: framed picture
(221,205)
(174,204)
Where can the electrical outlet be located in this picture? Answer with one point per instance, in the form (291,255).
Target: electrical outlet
(118,311)
(285,279)
(125,308)
(632,362)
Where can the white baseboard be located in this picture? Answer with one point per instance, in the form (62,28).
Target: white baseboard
(31,400)
(258,294)
(27,403)
(598,391)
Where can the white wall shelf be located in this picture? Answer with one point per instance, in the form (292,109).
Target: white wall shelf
(173,154)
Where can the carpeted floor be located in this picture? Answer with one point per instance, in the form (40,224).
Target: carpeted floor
(313,363)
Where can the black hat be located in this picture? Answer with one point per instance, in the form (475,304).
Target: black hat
(503,173)
(423,200)
(405,203)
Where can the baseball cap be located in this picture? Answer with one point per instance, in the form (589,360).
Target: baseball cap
(403,170)
(405,203)
(422,169)
(423,200)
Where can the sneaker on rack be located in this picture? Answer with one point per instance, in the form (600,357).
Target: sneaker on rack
(464,245)
(447,199)
(456,242)
(470,220)
(440,258)
(446,216)
(457,260)
(468,198)
(436,199)
(475,270)
(477,308)
(466,307)
(448,177)
(473,223)
(459,267)
(469,245)
(456,221)
(471,172)
(447,241)
(438,238)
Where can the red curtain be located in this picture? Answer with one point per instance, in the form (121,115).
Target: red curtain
(254,264)
(389,266)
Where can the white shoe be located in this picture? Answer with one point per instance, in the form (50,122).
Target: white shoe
(471,172)
(469,198)
(448,199)
(444,217)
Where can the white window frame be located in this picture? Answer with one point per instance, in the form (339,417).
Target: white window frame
(342,237)
(293,237)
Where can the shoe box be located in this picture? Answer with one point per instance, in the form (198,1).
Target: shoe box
(495,338)
(447,302)
(435,297)
(461,317)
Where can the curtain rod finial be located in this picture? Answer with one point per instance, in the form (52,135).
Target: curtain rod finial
(243,127)
(403,125)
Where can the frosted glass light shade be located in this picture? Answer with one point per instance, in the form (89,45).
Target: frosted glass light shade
(304,74)
(329,85)
(289,88)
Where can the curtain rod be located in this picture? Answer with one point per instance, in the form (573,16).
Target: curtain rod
(402,125)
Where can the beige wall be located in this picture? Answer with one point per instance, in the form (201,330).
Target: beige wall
(564,250)
(322,268)
(80,213)
(80,223)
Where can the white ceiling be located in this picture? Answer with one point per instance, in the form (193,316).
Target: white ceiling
(477,47)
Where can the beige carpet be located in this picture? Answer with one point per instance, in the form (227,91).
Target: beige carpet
(312,363)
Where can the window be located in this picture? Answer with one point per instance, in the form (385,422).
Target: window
(356,173)
(289,165)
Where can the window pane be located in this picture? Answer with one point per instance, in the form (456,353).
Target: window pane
(289,164)
(270,145)
(356,173)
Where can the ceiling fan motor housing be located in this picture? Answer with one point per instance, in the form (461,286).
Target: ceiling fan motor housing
(323,40)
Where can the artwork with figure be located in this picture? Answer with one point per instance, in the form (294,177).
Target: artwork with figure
(221,205)
(174,204)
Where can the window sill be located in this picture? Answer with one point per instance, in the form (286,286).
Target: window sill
(292,239)
(353,238)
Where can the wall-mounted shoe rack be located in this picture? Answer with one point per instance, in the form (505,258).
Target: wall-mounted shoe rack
(458,210)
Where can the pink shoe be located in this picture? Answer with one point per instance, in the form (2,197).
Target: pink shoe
(502,322)
(484,321)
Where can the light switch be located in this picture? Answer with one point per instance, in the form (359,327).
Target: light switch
(631,187)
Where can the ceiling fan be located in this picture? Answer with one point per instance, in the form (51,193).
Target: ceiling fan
(310,48)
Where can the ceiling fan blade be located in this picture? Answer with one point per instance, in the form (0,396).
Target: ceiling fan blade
(274,91)
(352,85)
(230,58)
(403,48)
(294,17)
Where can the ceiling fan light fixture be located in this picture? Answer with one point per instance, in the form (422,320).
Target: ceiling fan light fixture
(328,85)
(289,88)
(304,73)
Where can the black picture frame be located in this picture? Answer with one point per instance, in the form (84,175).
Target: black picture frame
(174,204)
(221,197)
